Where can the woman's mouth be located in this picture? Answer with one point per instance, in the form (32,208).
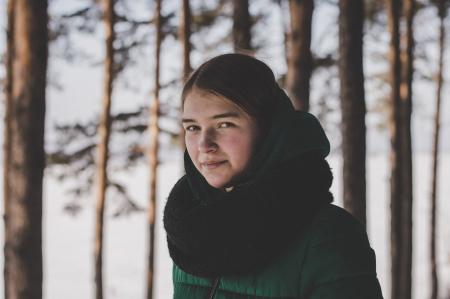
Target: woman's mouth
(212,164)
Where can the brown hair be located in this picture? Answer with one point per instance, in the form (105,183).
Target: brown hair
(242,79)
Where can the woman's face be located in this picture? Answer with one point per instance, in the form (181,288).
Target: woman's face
(220,137)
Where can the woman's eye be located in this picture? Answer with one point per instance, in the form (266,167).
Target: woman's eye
(192,128)
(226,125)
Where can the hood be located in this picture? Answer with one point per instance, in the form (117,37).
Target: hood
(291,135)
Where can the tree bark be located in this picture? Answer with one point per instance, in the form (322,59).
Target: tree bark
(300,57)
(25,168)
(104,135)
(242,25)
(407,57)
(434,181)
(153,154)
(351,20)
(285,23)
(7,129)
(185,34)
(400,156)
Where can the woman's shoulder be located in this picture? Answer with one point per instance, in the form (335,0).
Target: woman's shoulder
(338,240)
(338,255)
(332,221)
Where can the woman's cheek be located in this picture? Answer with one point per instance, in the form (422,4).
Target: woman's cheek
(240,149)
(191,146)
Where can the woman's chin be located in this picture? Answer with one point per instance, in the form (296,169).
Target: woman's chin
(217,183)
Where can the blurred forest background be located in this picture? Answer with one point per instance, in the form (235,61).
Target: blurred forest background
(91,92)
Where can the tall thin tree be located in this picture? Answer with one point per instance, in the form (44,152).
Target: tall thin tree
(285,24)
(353,107)
(7,126)
(401,218)
(185,36)
(300,57)
(241,26)
(23,242)
(407,70)
(102,150)
(434,181)
(153,154)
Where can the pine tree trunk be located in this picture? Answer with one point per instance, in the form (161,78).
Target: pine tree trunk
(406,149)
(434,182)
(7,129)
(104,135)
(353,106)
(23,242)
(397,246)
(185,34)
(285,22)
(300,58)
(153,155)
(241,26)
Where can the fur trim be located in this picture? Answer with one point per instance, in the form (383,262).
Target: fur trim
(240,231)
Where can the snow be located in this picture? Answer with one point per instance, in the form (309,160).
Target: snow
(68,241)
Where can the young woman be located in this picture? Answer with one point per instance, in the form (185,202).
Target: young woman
(252,217)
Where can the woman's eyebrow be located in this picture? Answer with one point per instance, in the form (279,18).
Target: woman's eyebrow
(217,116)
(226,114)
(187,120)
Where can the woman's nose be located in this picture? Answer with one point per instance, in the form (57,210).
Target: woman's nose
(207,142)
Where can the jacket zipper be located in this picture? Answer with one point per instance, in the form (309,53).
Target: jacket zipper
(214,288)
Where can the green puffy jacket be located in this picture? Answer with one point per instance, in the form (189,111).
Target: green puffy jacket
(332,259)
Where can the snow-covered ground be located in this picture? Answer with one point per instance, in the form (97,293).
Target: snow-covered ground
(68,241)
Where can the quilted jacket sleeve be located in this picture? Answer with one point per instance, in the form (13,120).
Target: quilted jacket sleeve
(340,264)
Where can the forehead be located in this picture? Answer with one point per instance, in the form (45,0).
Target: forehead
(199,102)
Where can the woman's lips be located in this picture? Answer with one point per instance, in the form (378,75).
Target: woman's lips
(212,164)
